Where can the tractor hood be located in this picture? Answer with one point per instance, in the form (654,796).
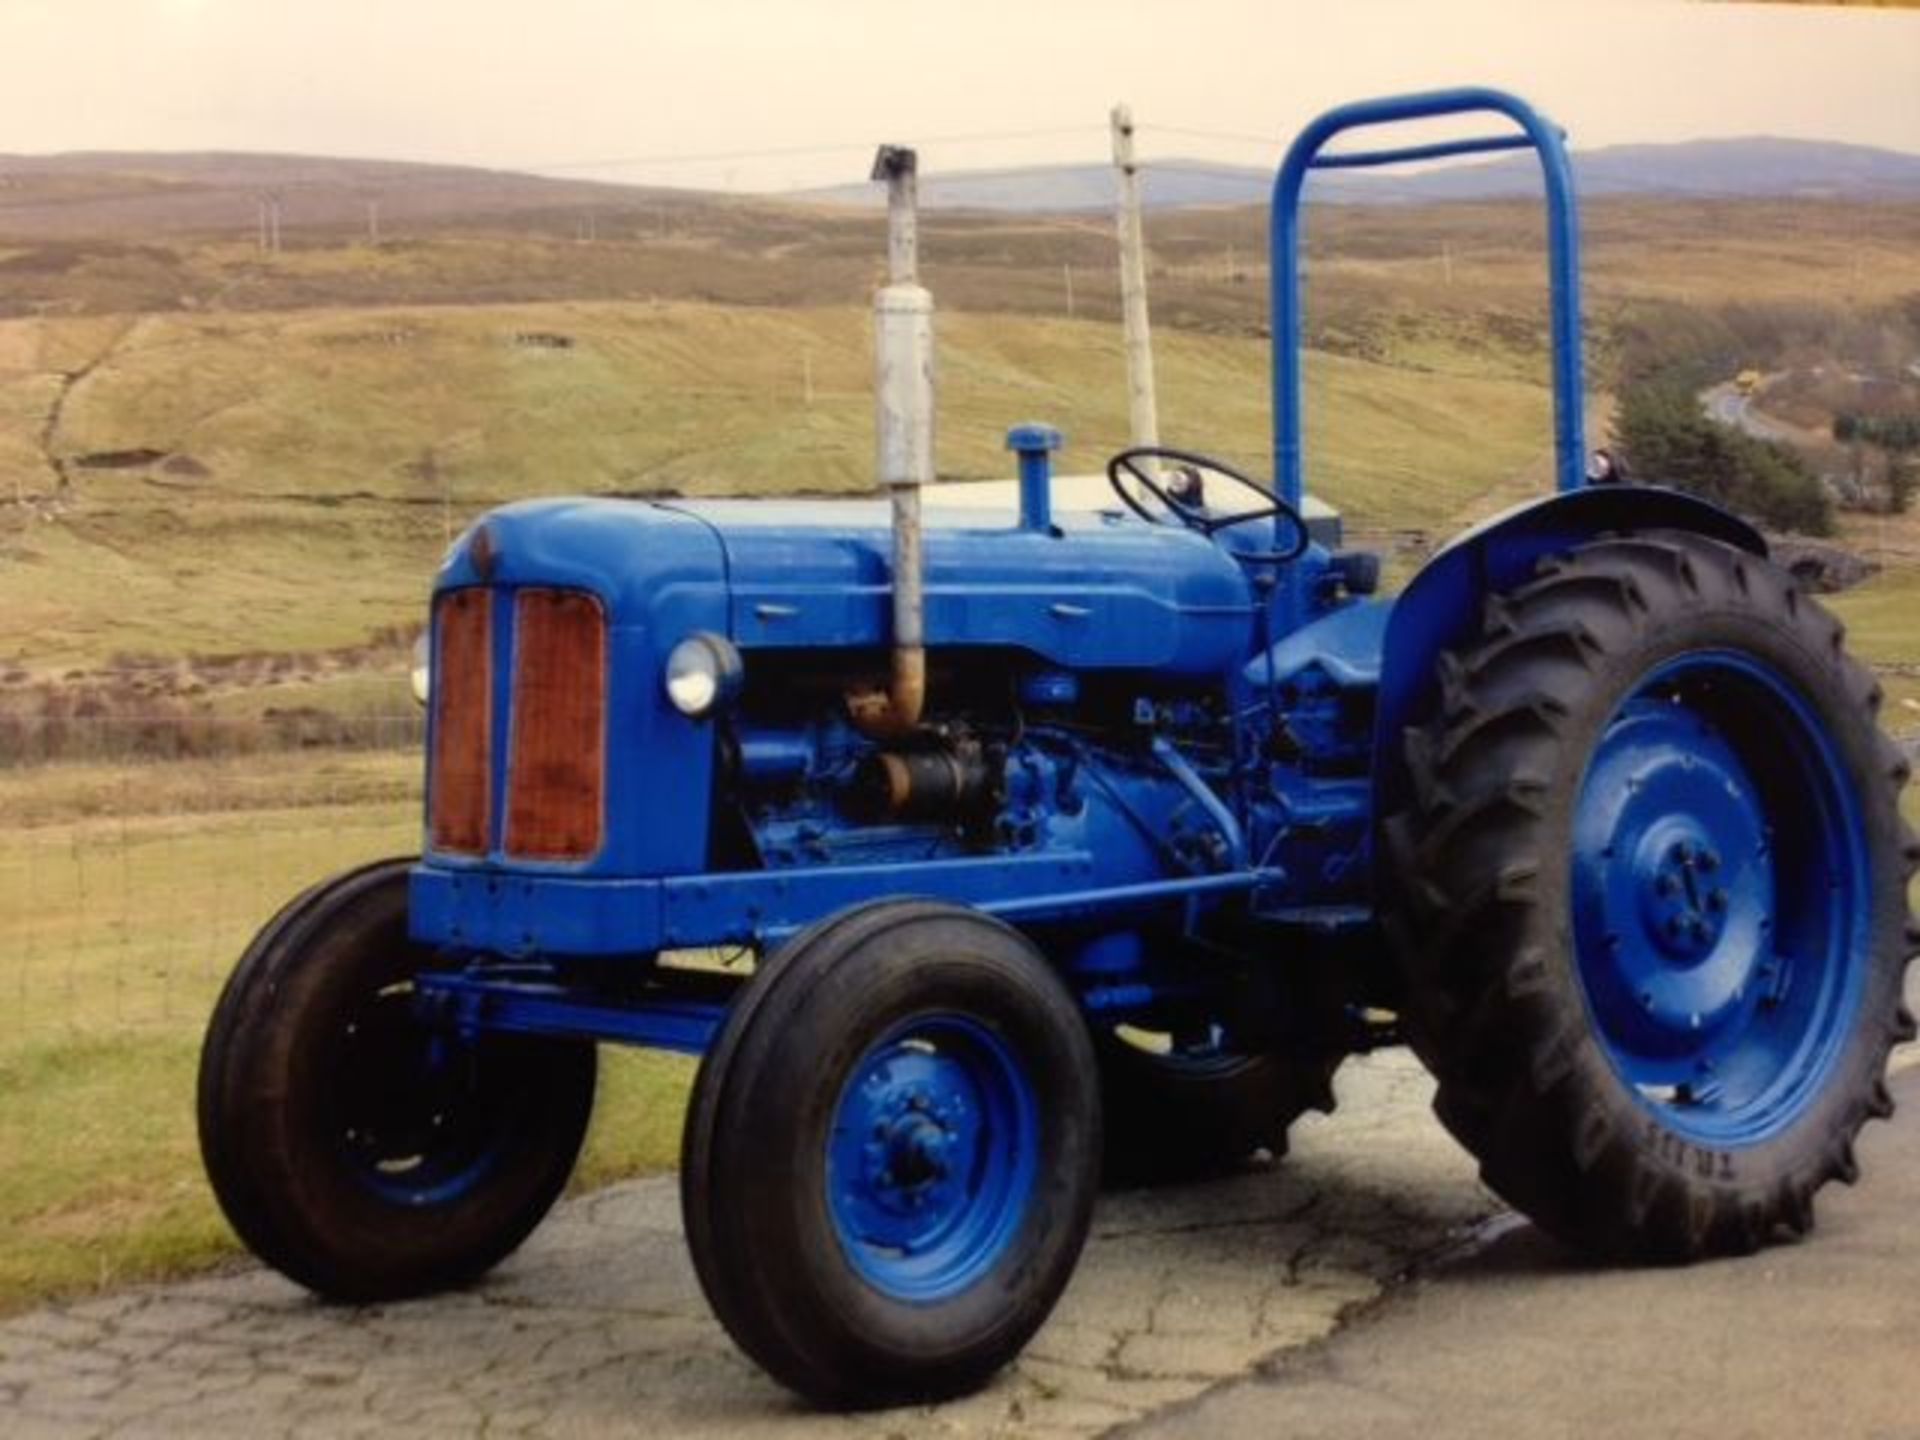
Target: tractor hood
(1096,591)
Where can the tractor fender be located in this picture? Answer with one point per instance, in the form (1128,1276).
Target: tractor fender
(1442,607)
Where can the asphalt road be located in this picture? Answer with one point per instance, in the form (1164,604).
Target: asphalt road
(1820,1338)
(1727,405)
(1270,1303)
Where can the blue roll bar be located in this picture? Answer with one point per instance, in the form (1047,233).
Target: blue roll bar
(1563,255)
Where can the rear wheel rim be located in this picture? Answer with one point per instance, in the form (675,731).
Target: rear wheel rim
(1720,891)
(932,1157)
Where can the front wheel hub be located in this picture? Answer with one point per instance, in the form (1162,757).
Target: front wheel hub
(932,1157)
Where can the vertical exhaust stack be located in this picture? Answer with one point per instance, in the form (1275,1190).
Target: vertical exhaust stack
(1142,416)
(903,397)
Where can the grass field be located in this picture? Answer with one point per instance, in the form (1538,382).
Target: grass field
(328,466)
(125,897)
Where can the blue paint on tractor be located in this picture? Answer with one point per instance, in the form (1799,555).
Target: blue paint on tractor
(1173,725)
(1445,602)
(661,576)
(1034,444)
(1721,898)
(935,1151)
(1563,261)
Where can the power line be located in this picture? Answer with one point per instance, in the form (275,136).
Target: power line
(1270,142)
(783,152)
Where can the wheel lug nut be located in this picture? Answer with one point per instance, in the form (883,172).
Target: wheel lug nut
(1717,900)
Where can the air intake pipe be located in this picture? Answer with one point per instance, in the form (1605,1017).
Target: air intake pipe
(903,398)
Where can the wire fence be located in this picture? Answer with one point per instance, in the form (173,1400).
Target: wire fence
(138,855)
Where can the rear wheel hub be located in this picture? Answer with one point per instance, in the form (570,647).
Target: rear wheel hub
(1716,882)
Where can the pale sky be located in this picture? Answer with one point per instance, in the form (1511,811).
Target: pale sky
(559,84)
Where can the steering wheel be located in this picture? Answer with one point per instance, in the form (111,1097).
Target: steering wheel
(1186,507)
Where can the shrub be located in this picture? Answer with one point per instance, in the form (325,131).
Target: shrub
(1667,441)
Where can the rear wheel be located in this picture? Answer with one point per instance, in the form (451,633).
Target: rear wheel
(891,1155)
(359,1152)
(1653,900)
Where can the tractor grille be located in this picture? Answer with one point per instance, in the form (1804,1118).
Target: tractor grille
(460,772)
(558,735)
(553,732)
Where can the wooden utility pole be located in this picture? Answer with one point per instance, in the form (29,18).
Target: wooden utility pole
(373,221)
(1068,269)
(1142,418)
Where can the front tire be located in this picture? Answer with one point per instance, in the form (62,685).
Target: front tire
(1652,899)
(357,1151)
(891,1155)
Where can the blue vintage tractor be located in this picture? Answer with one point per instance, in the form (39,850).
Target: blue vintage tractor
(1085,839)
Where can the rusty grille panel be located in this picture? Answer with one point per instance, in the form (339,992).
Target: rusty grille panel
(555,768)
(461,773)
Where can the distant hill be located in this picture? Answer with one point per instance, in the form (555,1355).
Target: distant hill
(1757,167)
(136,193)
(139,196)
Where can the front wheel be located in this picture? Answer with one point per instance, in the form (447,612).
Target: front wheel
(361,1153)
(891,1155)
(1653,899)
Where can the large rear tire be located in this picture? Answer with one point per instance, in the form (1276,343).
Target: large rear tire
(1652,899)
(357,1151)
(891,1155)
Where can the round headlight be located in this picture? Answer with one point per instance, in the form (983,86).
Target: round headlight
(703,670)
(421,676)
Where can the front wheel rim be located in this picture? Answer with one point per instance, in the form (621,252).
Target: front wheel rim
(932,1157)
(1721,887)
(419,1115)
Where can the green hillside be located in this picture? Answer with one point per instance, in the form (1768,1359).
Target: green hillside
(302,471)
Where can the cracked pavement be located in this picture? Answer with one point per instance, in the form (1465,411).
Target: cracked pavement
(1190,1305)
(598,1327)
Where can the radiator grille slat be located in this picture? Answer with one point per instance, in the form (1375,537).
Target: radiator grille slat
(557,741)
(460,779)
